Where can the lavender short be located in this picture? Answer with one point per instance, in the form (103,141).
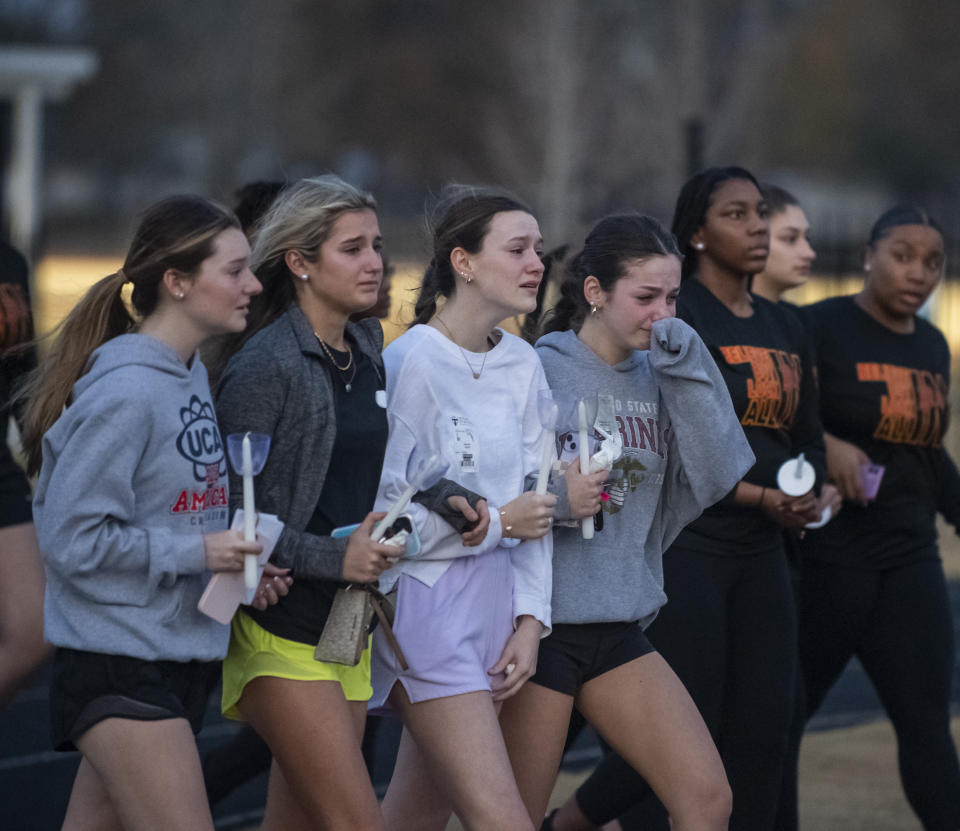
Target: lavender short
(450,633)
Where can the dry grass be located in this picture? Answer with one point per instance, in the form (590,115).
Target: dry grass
(848,782)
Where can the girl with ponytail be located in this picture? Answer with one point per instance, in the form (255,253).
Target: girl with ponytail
(729,630)
(131,512)
(613,338)
(468,619)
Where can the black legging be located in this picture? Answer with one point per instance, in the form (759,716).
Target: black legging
(729,632)
(897,622)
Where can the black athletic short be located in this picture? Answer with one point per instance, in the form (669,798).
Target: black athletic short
(574,653)
(88,687)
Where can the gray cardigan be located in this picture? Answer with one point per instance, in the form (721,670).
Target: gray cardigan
(278,384)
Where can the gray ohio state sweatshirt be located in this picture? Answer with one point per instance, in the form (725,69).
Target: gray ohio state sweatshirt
(683,450)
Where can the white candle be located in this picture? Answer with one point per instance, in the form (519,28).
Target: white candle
(428,467)
(586,524)
(547,452)
(394,512)
(250,576)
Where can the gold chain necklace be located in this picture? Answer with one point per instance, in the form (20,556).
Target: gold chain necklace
(347,384)
(474,372)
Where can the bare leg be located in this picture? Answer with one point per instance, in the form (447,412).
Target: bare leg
(318,778)
(534,724)
(413,800)
(643,710)
(21,608)
(456,743)
(90,808)
(149,771)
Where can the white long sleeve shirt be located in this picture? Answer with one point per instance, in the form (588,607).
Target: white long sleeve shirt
(486,429)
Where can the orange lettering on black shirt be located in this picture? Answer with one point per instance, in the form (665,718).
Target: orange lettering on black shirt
(913,410)
(774,391)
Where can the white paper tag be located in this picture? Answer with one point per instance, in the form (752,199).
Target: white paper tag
(464,444)
(381,398)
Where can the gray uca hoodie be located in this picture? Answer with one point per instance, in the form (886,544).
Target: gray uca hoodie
(683,450)
(134,474)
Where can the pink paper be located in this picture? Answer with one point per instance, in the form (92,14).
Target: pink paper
(226,590)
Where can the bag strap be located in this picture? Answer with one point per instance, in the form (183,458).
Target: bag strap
(377,600)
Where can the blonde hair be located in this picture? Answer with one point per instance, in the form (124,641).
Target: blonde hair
(300,219)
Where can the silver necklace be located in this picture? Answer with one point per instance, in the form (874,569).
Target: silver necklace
(348,385)
(474,372)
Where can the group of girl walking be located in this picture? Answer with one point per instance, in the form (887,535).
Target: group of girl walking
(506,615)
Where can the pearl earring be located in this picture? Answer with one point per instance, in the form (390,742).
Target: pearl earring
(179,295)
(304,276)
(593,308)
(699,246)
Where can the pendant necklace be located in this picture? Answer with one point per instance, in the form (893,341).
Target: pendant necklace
(474,372)
(346,383)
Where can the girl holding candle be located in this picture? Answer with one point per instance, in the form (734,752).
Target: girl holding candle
(872,583)
(469,621)
(613,337)
(131,512)
(313,382)
(729,630)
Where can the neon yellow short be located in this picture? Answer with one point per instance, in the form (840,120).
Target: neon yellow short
(254,652)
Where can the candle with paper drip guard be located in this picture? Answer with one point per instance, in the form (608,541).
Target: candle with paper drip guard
(248,455)
(586,524)
(548,411)
(428,474)
(797,477)
(250,578)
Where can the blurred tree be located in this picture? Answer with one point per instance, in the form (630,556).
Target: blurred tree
(580,107)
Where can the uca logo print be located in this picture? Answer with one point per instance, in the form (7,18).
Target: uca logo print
(199,441)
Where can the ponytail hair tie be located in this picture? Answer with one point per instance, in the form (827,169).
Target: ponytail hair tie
(122,275)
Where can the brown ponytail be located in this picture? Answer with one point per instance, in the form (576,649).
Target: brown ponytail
(176,233)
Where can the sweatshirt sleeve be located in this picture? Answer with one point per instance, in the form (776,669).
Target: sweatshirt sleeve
(308,555)
(707,450)
(435,499)
(85,503)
